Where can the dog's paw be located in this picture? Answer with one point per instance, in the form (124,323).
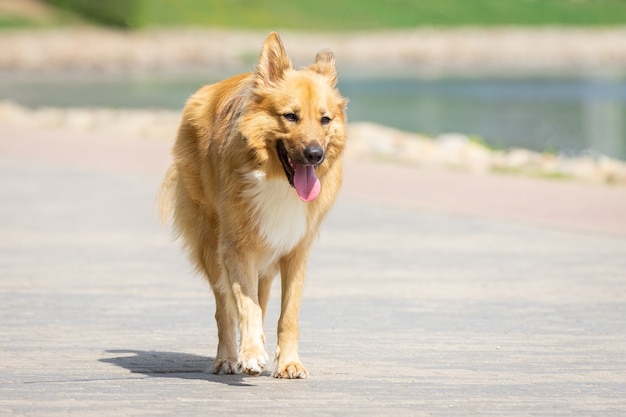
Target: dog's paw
(292,370)
(225,366)
(252,365)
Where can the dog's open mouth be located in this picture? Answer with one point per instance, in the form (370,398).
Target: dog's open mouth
(301,177)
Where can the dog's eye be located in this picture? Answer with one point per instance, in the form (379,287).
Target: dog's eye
(292,117)
(325,120)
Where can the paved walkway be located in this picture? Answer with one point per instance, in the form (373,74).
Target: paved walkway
(423,305)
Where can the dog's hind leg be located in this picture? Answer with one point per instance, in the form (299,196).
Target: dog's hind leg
(244,281)
(265,288)
(226,318)
(225,312)
(292,273)
(203,241)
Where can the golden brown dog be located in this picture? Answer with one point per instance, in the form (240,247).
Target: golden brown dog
(256,168)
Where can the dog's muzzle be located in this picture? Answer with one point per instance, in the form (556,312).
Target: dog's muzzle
(301,175)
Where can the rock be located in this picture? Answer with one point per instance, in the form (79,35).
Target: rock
(459,151)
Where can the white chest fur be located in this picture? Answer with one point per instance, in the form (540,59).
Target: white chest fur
(281,215)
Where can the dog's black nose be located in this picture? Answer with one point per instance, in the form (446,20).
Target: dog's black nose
(313,154)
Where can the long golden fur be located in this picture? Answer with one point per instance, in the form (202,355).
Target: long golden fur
(257,165)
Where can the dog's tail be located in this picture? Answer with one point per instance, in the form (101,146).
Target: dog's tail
(164,204)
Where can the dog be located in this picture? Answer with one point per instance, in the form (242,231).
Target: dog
(256,168)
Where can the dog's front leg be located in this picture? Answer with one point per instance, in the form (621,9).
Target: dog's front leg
(292,273)
(244,281)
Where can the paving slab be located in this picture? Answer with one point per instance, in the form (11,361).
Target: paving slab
(409,309)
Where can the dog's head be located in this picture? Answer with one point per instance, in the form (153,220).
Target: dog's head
(296,118)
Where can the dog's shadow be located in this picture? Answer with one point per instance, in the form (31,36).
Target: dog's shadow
(171,365)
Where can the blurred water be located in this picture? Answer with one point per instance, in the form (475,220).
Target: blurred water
(568,116)
(572,116)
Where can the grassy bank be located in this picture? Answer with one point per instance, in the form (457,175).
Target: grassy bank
(346,14)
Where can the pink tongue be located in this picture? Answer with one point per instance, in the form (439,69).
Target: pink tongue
(306,182)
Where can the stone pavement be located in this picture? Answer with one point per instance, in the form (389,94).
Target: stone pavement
(409,309)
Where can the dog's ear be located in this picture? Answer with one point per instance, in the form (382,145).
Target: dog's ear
(325,65)
(273,61)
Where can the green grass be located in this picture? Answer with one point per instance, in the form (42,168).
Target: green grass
(367,14)
(348,14)
(41,18)
(7,22)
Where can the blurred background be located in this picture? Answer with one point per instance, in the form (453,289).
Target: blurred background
(545,75)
